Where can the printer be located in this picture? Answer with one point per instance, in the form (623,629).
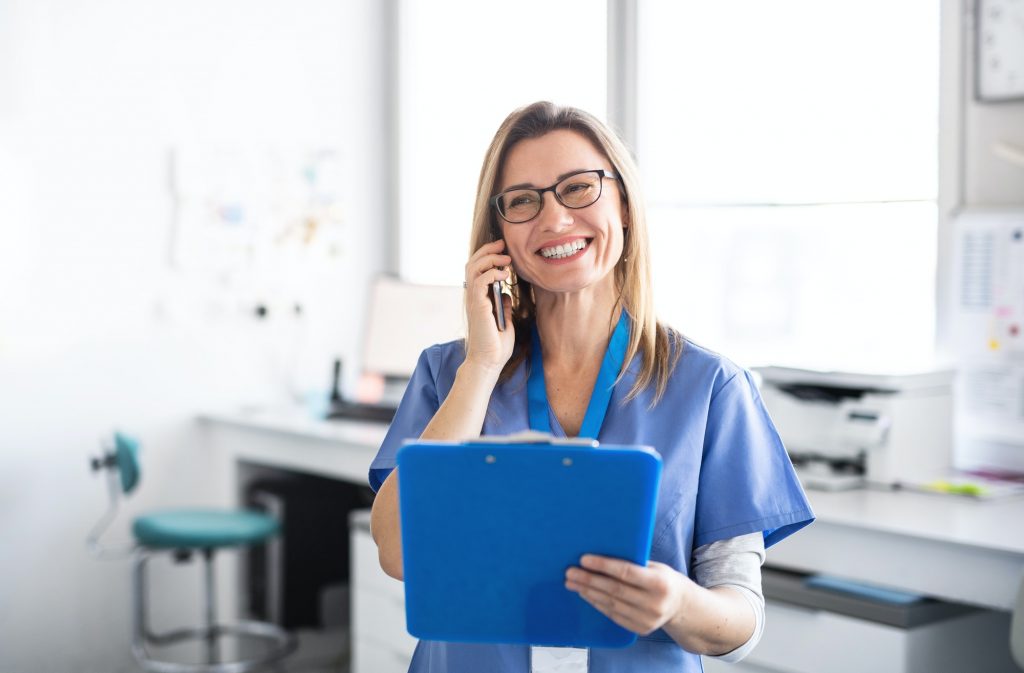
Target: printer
(847,430)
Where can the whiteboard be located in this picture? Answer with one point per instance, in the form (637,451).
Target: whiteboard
(405,318)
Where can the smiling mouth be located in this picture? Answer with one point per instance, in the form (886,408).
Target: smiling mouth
(567,250)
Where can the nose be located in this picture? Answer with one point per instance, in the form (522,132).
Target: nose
(553,216)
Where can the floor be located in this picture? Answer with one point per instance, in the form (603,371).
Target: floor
(319,651)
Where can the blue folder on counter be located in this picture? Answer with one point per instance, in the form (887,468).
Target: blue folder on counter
(489,529)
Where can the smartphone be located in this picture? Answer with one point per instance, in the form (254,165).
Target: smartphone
(499,308)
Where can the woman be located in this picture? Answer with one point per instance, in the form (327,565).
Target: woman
(558,217)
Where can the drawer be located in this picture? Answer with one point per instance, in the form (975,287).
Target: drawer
(366,570)
(804,640)
(381,619)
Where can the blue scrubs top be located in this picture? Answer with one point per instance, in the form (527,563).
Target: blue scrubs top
(725,473)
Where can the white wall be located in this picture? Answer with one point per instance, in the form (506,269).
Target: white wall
(990,180)
(97,331)
(986,178)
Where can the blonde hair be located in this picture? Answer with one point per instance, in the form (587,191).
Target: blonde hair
(658,347)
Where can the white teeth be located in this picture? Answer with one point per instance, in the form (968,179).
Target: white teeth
(565,250)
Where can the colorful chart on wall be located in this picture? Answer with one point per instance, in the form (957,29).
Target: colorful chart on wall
(988,331)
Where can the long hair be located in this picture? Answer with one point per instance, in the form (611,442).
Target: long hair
(657,346)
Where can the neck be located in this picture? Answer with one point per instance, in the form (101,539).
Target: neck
(575,327)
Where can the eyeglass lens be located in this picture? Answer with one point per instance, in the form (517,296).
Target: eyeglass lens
(575,191)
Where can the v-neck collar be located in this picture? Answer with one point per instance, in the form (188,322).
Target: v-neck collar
(537,394)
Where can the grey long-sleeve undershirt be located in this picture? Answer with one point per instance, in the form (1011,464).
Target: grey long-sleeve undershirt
(735,563)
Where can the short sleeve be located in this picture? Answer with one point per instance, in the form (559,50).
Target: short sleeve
(419,404)
(747,483)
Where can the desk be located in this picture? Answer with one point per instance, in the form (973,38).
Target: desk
(949,547)
(291,440)
(248,443)
(945,546)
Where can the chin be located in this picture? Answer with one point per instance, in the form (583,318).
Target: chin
(566,285)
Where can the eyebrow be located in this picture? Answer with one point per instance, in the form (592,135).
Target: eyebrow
(530,185)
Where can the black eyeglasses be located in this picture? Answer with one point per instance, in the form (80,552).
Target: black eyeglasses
(577,190)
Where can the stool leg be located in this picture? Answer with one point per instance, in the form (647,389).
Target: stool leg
(212,653)
(139,628)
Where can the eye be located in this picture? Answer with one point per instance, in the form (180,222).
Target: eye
(579,192)
(576,187)
(520,200)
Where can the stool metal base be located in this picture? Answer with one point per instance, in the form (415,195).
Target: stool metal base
(277,642)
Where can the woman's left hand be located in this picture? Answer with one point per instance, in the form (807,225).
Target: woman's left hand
(640,599)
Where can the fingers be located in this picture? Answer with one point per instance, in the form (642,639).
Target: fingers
(478,266)
(492,248)
(496,245)
(487,341)
(638,598)
(480,285)
(624,571)
(581,579)
(631,617)
(487,256)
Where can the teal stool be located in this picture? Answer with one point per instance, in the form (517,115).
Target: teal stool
(183,532)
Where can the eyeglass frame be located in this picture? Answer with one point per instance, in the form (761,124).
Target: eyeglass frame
(601,172)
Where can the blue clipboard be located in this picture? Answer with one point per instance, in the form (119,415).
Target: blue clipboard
(489,529)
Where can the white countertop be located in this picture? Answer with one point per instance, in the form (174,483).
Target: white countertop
(992,524)
(291,439)
(299,422)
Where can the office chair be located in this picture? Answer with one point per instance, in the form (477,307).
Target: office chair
(183,532)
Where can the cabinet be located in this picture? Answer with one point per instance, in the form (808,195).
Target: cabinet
(808,630)
(380,642)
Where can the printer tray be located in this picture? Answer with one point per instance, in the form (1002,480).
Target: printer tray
(792,587)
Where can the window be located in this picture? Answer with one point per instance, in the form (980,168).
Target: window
(790,155)
(457,81)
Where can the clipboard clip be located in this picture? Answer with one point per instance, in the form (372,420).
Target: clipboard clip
(535,437)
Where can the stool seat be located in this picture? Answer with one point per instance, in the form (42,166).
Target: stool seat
(203,528)
(181,532)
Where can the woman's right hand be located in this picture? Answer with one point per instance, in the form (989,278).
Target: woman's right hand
(486,346)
